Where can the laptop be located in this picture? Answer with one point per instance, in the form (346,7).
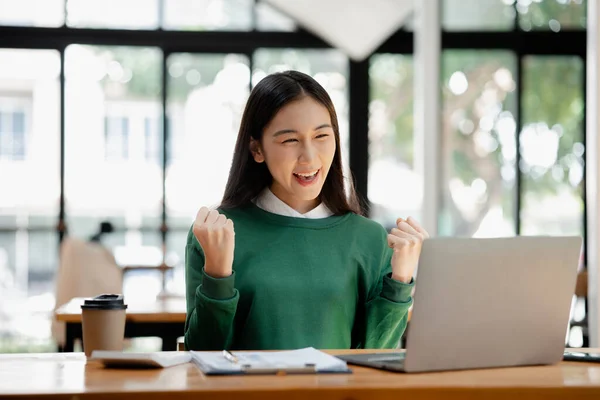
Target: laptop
(486,303)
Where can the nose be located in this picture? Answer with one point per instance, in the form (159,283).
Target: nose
(307,154)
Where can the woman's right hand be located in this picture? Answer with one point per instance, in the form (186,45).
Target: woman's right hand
(216,236)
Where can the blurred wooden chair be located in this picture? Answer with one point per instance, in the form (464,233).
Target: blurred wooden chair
(86,269)
(581,287)
(581,291)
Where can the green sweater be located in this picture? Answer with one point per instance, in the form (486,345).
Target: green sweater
(297,283)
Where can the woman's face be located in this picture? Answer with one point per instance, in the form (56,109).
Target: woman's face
(298,146)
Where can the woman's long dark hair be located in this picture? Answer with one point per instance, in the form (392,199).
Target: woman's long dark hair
(247,178)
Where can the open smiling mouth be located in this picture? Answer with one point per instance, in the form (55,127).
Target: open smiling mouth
(306,179)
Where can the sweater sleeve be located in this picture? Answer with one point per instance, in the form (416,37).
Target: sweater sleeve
(386,310)
(211,303)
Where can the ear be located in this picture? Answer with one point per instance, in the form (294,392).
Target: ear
(256,151)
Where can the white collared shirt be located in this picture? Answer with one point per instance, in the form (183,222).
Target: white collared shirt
(273,204)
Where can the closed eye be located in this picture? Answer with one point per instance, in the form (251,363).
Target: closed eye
(290,140)
(322,135)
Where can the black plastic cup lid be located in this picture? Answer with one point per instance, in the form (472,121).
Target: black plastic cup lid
(105,302)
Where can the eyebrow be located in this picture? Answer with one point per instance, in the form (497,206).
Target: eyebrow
(284,131)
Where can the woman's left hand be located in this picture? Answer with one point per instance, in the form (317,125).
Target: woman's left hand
(406,241)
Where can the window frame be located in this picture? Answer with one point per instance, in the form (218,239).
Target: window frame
(11,105)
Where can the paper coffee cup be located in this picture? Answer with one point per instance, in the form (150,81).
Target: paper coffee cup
(103,323)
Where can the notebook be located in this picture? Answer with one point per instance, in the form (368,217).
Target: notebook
(159,359)
(301,361)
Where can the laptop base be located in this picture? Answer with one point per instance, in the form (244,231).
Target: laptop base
(386,361)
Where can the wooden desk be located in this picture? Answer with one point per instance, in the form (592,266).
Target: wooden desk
(164,318)
(66,375)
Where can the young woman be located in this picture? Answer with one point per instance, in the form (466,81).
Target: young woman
(287,261)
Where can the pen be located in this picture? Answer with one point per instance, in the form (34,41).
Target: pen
(230,357)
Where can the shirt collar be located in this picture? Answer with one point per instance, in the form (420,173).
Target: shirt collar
(273,204)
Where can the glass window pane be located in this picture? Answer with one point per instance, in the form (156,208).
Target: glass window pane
(478,144)
(8,260)
(176,240)
(13,112)
(206,98)
(110,92)
(42,261)
(28,263)
(48,13)
(552,146)
(206,15)
(153,140)
(18,122)
(395,188)
(328,67)
(270,19)
(29,137)
(136,247)
(466,15)
(121,14)
(116,138)
(552,14)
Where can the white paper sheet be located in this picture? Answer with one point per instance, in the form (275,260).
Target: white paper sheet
(289,359)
